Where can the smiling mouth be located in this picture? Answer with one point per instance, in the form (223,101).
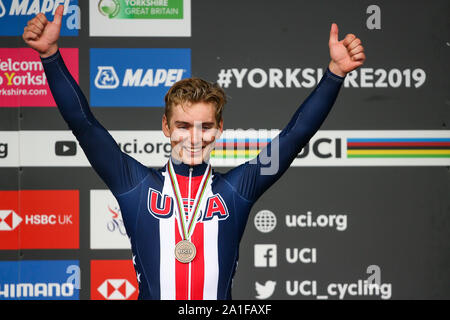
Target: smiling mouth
(194,150)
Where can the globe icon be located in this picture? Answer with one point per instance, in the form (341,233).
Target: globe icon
(108,7)
(265,221)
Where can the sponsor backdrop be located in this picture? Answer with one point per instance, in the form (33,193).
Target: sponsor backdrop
(364,211)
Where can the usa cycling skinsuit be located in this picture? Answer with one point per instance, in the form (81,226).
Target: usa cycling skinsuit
(151,216)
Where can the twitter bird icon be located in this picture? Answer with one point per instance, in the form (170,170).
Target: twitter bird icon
(264,291)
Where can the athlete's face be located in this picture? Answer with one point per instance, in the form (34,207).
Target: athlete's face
(192,130)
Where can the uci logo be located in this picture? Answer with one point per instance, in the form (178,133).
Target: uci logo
(161,207)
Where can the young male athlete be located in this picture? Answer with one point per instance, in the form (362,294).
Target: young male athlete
(185,220)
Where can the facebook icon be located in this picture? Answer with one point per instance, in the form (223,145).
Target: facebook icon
(265,255)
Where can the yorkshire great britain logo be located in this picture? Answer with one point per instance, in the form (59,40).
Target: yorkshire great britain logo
(162,207)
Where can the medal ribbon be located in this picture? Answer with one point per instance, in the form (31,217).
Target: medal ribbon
(179,200)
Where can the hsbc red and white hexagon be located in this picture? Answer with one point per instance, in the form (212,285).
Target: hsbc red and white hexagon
(113,280)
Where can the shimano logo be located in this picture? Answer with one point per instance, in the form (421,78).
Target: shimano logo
(35,290)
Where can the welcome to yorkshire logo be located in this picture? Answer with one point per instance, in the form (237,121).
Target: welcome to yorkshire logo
(141,9)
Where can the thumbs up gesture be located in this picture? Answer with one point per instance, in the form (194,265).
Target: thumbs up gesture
(346,55)
(42,35)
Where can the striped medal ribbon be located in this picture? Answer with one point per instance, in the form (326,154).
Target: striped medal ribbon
(185,250)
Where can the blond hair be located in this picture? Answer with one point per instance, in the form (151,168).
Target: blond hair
(193,90)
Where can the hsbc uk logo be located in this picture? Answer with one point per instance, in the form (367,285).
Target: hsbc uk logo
(116,289)
(43,219)
(9,220)
(136,77)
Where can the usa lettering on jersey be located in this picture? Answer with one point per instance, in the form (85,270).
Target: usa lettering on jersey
(161,206)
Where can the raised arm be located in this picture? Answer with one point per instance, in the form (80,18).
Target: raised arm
(118,170)
(254,177)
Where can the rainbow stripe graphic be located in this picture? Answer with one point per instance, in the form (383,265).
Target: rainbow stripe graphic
(238,148)
(398,148)
(386,147)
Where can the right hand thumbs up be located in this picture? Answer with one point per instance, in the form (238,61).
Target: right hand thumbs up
(42,35)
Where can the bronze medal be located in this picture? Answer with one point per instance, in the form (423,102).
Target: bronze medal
(185,251)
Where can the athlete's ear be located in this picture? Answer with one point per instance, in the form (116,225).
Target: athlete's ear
(165,126)
(220,129)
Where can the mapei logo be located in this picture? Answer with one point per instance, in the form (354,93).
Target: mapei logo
(9,220)
(136,77)
(116,289)
(106,78)
(14,15)
(161,206)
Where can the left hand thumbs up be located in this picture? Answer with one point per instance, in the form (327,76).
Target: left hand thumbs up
(346,55)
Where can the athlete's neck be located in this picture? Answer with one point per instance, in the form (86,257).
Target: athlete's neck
(182,168)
